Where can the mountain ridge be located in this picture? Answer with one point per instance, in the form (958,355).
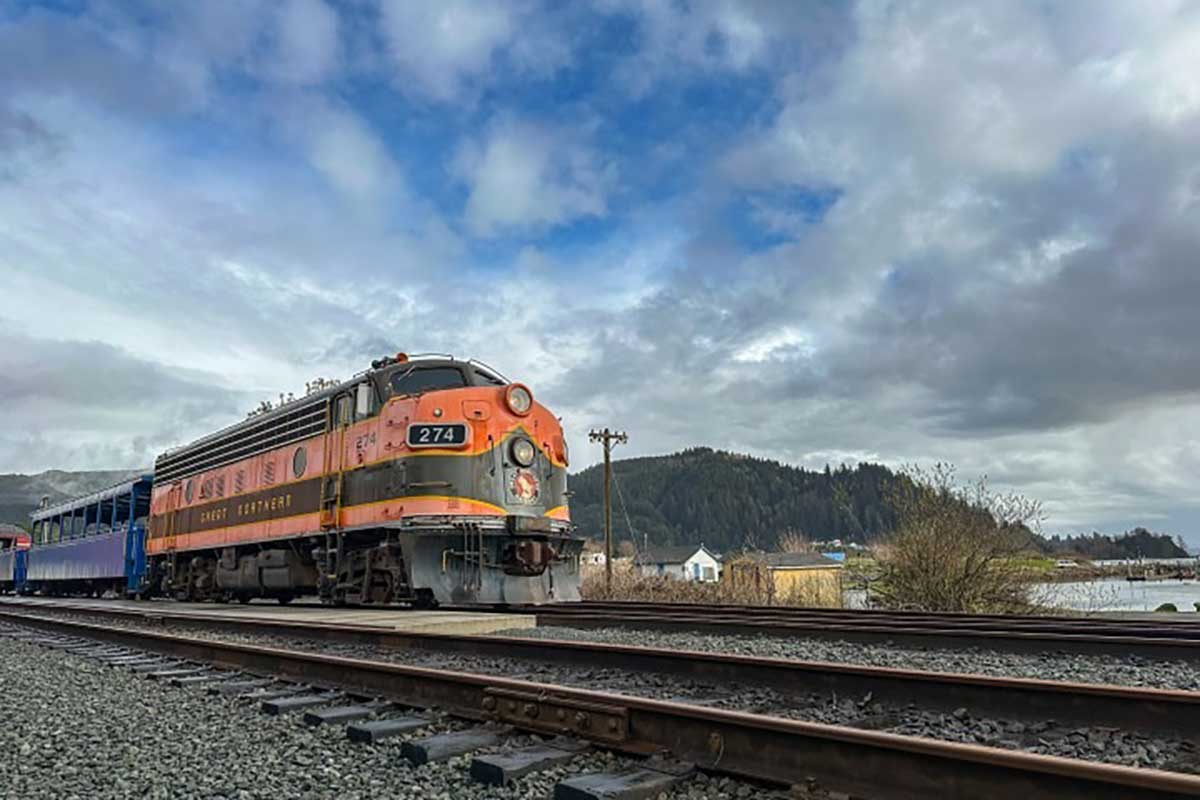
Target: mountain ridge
(20,494)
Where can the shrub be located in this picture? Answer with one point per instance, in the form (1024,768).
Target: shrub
(1169,607)
(956,547)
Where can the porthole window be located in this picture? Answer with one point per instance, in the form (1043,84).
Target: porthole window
(299,461)
(189,490)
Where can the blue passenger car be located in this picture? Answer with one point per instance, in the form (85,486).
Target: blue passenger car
(91,544)
(14,545)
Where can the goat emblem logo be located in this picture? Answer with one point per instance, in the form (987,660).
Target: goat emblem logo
(525,487)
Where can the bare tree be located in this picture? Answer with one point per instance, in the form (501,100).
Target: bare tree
(956,546)
(794,540)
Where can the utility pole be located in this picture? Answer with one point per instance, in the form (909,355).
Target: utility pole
(608,439)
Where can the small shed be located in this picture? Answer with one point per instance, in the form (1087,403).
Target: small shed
(689,562)
(809,579)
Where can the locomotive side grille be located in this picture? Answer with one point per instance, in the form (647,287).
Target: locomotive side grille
(269,473)
(239,482)
(243,441)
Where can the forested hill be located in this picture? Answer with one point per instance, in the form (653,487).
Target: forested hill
(729,501)
(20,494)
(1137,543)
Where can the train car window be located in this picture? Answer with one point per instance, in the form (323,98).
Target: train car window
(343,410)
(430,379)
(362,401)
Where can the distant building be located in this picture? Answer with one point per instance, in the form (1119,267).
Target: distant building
(799,578)
(689,562)
(593,558)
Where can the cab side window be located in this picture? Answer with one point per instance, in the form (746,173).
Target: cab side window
(342,410)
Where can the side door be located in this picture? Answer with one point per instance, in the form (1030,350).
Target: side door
(340,415)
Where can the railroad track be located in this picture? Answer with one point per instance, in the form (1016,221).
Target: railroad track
(862,763)
(1018,634)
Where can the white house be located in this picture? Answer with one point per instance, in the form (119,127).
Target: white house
(593,558)
(687,562)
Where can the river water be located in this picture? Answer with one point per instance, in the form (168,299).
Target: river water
(1107,594)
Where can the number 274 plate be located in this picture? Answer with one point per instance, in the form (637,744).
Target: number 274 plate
(445,434)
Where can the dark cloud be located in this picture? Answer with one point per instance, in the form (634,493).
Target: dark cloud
(94,405)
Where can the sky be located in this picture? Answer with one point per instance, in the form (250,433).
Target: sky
(898,232)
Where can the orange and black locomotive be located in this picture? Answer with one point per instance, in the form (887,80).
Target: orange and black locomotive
(425,480)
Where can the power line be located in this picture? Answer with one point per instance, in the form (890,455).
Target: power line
(624,507)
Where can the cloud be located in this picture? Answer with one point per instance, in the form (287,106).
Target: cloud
(447,49)
(104,407)
(524,175)
(306,46)
(1003,279)
(676,40)
(341,146)
(885,231)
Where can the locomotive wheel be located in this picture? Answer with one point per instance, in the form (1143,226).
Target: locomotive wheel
(243,598)
(284,599)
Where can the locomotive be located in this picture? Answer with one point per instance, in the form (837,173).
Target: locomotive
(424,480)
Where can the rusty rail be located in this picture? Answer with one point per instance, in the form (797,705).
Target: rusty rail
(814,756)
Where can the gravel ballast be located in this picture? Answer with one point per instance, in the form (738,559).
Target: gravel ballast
(893,715)
(75,728)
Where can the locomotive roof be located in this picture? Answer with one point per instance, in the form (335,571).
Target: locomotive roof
(320,396)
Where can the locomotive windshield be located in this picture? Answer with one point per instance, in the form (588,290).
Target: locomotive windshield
(428,379)
(489,378)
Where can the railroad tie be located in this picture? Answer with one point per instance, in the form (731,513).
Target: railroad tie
(134,661)
(204,677)
(167,674)
(501,769)
(239,687)
(154,665)
(274,692)
(350,713)
(637,783)
(445,746)
(286,705)
(379,729)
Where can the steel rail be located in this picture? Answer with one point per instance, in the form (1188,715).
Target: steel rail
(810,755)
(1025,699)
(1157,643)
(1182,628)
(857,612)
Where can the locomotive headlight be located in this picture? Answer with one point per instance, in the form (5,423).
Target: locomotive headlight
(519,399)
(523,452)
